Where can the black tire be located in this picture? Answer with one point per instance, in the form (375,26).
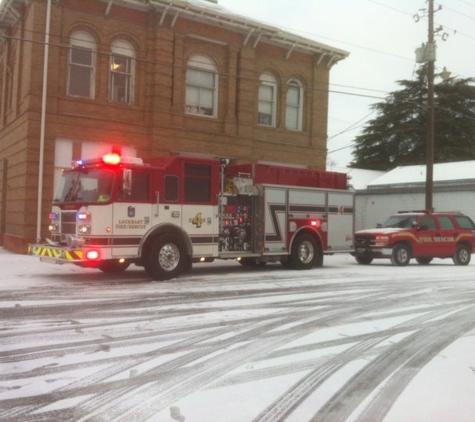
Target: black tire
(424,260)
(167,258)
(401,255)
(113,266)
(305,253)
(363,260)
(462,255)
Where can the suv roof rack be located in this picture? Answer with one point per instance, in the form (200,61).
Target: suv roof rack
(411,211)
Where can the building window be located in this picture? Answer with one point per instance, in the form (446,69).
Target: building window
(82,63)
(201,86)
(294,105)
(267,100)
(122,70)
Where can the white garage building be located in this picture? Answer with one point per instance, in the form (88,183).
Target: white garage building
(380,194)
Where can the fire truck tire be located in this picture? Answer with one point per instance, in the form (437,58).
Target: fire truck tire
(167,258)
(423,260)
(401,255)
(462,255)
(305,253)
(363,260)
(113,266)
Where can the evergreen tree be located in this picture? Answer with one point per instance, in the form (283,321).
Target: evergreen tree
(397,136)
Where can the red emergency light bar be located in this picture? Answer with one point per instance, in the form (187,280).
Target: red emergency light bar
(112,159)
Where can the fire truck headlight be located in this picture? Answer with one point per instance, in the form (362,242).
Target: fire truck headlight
(382,240)
(86,229)
(53,227)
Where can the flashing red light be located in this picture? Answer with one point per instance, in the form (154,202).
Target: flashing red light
(112,159)
(315,223)
(53,216)
(92,255)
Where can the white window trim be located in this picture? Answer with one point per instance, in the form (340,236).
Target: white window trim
(295,83)
(267,79)
(122,48)
(83,39)
(201,62)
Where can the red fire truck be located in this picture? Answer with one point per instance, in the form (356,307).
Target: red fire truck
(166,213)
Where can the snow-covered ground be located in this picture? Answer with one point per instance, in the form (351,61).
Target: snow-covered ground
(225,343)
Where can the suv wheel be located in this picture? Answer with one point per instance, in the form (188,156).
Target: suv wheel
(462,255)
(401,255)
(424,260)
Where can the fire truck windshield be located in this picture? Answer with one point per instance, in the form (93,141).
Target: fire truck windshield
(85,186)
(400,222)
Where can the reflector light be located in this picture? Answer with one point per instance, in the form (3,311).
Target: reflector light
(92,255)
(113,159)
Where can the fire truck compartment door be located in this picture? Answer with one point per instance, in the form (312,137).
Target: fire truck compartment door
(275,227)
(340,221)
(130,222)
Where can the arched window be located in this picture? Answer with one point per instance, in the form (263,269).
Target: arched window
(267,100)
(201,86)
(294,105)
(122,72)
(82,64)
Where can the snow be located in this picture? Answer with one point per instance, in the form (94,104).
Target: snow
(443,172)
(315,337)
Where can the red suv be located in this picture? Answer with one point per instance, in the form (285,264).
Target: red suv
(421,235)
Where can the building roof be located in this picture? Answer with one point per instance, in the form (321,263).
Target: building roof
(460,172)
(210,12)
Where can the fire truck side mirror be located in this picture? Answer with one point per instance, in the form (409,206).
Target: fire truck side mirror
(127,182)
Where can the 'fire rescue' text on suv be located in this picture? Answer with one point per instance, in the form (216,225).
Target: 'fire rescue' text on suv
(421,235)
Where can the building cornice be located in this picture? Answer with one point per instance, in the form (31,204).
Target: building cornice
(252,31)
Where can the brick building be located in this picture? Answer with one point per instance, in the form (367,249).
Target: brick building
(147,78)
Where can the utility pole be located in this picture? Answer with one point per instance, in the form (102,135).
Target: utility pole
(430,112)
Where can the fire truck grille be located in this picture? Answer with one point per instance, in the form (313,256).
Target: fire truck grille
(68,222)
(362,241)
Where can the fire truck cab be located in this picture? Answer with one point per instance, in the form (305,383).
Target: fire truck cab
(166,213)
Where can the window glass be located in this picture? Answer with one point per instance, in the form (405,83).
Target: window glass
(428,221)
(446,223)
(171,188)
(197,183)
(267,100)
(139,191)
(122,67)
(82,56)
(464,222)
(201,86)
(293,111)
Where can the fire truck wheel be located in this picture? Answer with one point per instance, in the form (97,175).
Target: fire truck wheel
(363,260)
(113,267)
(305,253)
(167,258)
(401,255)
(462,255)
(424,260)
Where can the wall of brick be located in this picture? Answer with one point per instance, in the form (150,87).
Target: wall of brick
(156,124)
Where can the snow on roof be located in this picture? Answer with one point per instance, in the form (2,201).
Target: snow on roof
(358,178)
(444,173)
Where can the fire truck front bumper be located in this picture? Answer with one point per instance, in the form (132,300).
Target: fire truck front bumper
(56,254)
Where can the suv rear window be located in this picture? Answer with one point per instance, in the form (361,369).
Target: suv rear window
(464,222)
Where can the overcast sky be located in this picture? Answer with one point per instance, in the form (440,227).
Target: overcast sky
(381,36)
